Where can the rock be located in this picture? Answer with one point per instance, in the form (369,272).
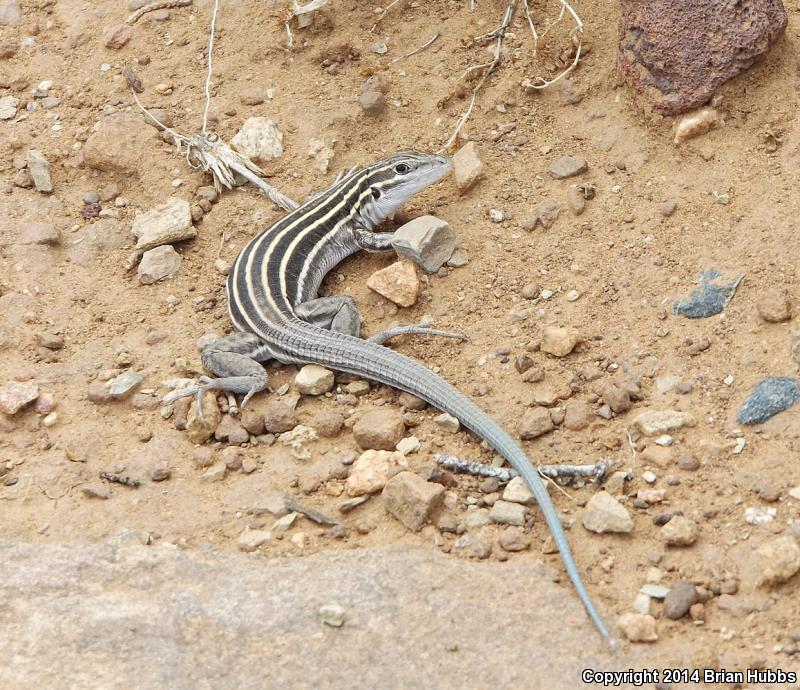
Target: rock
(197,431)
(687,462)
(39,169)
(476,519)
(8,107)
(116,36)
(412,500)
(568,166)
(15,395)
(427,241)
(398,283)
(577,415)
(657,422)
(39,233)
(675,66)
(545,215)
(230,429)
(657,455)
(508,513)
(774,306)
(96,490)
(771,396)
(513,539)
(667,208)
(9,12)
(160,263)
(576,201)
(778,560)
(51,341)
(411,402)
(118,144)
(251,539)
(372,101)
(379,429)
(313,379)
(215,473)
(695,124)
(679,531)
(534,423)
(258,139)
(408,445)
(124,385)
(517,491)
(7,50)
(98,392)
(682,595)
(328,423)
(279,417)
(637,627)
(164,224)
(333,615)
(447,423)
(205,614)
(604,513)
(710,298)
(160,472)
(253,420)
(371,470)
(617,398)
(467,166)
(559,342)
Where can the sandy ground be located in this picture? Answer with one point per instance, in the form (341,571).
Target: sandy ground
(625,259)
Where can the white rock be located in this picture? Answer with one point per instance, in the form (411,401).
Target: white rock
(641,604)
(166,223)
(517,491)
(39,169)
(655,422)
(408,445)
(313,379)
(251,539)
(507,513)
(604,513)
(8,107)
(637,627)
(447,422)
(757,515)
(159,263)
(372,469)
(779,560)
(258,139)
(428,241)
(333,615)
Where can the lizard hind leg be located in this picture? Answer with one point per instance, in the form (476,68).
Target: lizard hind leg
(234,360)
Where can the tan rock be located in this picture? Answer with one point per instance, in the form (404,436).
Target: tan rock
(379,429)
(372,470)
(398,283)
(116,36)
(638,627)
(779,560)
(119,143)
(604,513)
(412,500)
(313,379)
(467,166)
(559,342)
(578,415)
(679,531)
(15,395)
(656,422)
(197,431)
(774,306)
(534,423)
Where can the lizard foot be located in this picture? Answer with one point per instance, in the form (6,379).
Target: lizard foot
(247,385)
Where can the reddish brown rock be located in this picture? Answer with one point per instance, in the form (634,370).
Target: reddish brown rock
(677,52)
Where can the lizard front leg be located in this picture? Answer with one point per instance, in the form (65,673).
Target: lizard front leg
(234,360)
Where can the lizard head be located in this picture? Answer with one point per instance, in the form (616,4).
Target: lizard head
(390,183)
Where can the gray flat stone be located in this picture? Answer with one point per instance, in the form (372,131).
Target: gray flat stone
(87,615)
(710,298)
(772,395)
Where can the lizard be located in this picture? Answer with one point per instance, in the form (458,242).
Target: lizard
(272,290)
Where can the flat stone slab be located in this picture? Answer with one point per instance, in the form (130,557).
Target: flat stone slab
(120,615)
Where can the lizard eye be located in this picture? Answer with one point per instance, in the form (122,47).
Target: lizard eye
(376,193)
(402,168)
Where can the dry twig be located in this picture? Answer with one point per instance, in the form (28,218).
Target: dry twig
(425,45)
(564,473)
(207,151)
(157,5)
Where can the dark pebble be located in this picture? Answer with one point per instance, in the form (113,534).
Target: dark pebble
(772,395)
(710,298)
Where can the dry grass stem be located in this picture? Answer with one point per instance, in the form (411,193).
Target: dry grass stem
(158,5)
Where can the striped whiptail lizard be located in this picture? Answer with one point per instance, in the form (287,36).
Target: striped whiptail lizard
(272,299)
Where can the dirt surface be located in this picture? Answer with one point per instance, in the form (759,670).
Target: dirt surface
(626,259)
